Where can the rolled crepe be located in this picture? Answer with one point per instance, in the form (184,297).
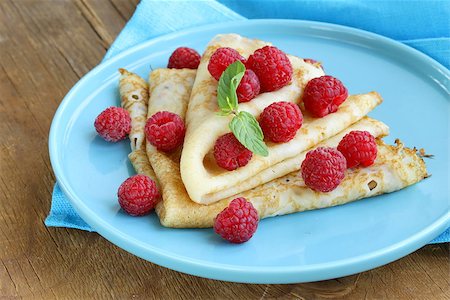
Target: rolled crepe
(141,165)
(134,98)
(207,183)
(169,86)
(169,91)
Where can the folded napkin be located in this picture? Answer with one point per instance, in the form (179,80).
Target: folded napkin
(406,22)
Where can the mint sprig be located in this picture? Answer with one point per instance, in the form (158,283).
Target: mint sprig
(243,125)
(228,83)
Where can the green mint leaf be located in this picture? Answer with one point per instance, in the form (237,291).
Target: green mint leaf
(246,129)
(228,83)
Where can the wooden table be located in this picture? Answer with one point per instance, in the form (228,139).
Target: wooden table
(46,46)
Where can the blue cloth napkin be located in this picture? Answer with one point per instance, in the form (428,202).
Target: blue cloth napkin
(420,24)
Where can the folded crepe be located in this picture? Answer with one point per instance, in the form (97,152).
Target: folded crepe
(207,183)
(396,167)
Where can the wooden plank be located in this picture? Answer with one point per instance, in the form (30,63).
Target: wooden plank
(125,8)
(103,17)
(45,47)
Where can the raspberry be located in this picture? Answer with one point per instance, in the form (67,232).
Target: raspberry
(230,154)
(113,124)
(165,131)
(323,169)
(238,222)
(272,66)
(249,87)
(358,147)
(313,62)
(323,95)
(184,57)
(280,121)
(221,59)
(138,195)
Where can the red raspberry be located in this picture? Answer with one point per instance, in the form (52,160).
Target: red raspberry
(165,131)
(313,62)
(221,59)
(323,169)
(113,124)
(272,66)
(323,95)
(238,222)
(184,57)
(138,195)
(230,154)
(358,147)
(280,121)
(249,87)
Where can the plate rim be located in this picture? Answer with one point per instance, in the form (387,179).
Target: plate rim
(245,274)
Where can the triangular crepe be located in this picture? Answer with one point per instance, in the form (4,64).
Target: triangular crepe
(395,168)
(205,182)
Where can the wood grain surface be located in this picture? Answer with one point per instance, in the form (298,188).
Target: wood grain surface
(45,47)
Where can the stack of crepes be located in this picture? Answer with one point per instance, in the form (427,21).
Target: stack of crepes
(194,189)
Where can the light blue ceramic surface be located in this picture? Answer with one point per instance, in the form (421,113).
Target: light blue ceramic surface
(307,246)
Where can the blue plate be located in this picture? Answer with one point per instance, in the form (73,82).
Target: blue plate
(307,246)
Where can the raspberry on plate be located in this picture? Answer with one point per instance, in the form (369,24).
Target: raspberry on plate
(323,95)
(165,130)
(249,87)
(238,222)
(358,148)
(113,124)
(221,59)
(138,195)
(272,66)
(323,169)
(184,57)
(280,121)
(229,153)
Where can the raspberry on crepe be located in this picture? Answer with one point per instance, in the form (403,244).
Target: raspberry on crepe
(229,153)
(280,121)
(324,95)
(249,87)
(165,130)
(359,148)
(221,59)
(323,169)
(272,66)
